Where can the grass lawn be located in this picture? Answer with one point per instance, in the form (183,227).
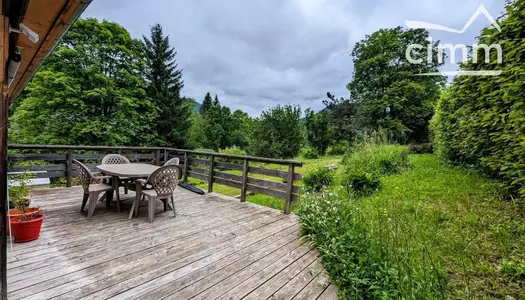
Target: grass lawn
(433,231)
(476,238)
(308,164)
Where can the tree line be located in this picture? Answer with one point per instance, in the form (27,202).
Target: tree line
(102,87)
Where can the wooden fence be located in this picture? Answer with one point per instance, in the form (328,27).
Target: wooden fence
(247,173)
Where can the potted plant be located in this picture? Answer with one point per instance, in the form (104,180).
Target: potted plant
(25,228)
(20,195)
(25,221)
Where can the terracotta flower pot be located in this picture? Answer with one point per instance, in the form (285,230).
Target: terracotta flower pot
(18,212)
(25,231)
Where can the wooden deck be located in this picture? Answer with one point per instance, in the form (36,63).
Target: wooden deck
(216,248)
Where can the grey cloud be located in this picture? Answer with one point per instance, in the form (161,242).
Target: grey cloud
(260,53)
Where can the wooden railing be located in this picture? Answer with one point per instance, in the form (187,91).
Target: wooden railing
(247,173)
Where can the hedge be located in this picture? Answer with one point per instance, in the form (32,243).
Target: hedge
(480,120)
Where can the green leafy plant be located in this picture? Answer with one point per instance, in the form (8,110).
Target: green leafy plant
(364,166)
(318,179)
(377,160)
(309,153)
(360,184)
(20,190)
(338,148)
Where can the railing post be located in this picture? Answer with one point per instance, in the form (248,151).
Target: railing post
(69,168)
(186,166)
(210,177)
(244,180)
(289,190)
(157,157)
(166,155)
(120,151)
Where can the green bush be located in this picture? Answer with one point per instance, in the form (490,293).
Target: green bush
(360,184)
(338,148)
(309,153)
(377,160)
(19,191)
(317,179)
(363,167)
(480,120)
(421,148)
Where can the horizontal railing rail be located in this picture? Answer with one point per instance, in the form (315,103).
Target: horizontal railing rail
(267,176)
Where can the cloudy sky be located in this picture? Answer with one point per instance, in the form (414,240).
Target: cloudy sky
(259,53)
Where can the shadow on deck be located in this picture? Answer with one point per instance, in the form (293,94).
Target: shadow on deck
(216,248)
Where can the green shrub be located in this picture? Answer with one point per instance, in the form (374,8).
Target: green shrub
(377,160)
(20,190)
(359,184)
(421,148)
(363,167)
(480,120)
(309,153)
(317,179)
(338,148)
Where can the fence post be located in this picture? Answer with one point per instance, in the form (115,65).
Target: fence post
(69,168)
(157,157)
(186,166)
(244,180)
(289,190)
(166,155)
(210,177)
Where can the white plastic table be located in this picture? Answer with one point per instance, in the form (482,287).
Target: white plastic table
(125,170)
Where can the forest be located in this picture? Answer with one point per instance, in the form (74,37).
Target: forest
(413,186)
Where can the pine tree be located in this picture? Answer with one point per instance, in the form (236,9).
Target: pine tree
(164,87)
(216,101)
(206,104)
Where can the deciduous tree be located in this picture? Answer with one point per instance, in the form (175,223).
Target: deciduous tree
(88,92)
(318,133)
(384,85)
(278,132)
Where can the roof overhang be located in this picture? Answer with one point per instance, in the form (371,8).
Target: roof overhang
(50,19)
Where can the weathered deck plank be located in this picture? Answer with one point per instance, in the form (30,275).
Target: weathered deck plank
(216,248)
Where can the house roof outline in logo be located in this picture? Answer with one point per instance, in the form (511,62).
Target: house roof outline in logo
(482,10)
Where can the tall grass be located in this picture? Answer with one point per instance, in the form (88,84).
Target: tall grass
(432,232)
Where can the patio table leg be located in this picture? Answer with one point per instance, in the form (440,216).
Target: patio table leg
(116,182)
(109,195)
(136,202)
